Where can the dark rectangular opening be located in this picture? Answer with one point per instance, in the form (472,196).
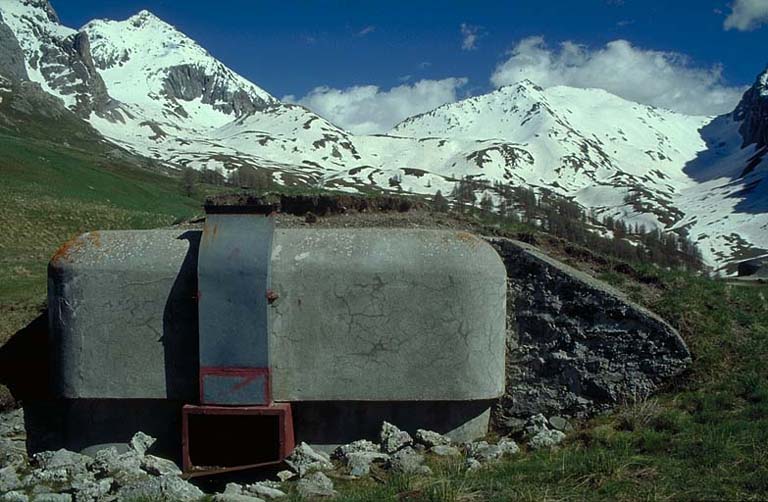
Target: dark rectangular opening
(231,440)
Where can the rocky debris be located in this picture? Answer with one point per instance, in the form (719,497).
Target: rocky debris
(236,493)
(304,460)
(539,434)
(546,439)
(12,424)
(431,439)
(235,497)
(536,423)
(360,462)
(264,489)
(508,446)
(316,484)
(62,468)
(484,452)
(409,461)
(580,347)
(95,490)
(52,497)
(12,452)
(359,455)
(110,475)
(363,445)
(444,450)
(159,466)
(65,475)
(560,424)
(124,468)
(13,449)
(259,490)
(393,439)
(14,496)
(285,475)
(162,487)
(9,479)
(141,442)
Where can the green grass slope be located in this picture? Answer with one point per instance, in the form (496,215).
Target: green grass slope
(50,193)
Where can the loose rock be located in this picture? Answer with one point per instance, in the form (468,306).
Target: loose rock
(163,487)
(316,484)
(408,461)
(159,466)
(265,490)
(14,497)
(360,462)
(508,446)
(342,452)
(536,423)
(431,438)
(285,475)
(393,439)
(52,497)
(73,463)
(304,459)
(141,442)
(559,423)
(443,450)
(483,452)
(93,491)
(234,497)
(124,468)
(9,479)
(546,439)
(12,452)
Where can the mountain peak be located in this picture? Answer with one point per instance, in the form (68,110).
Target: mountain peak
(751,111)
(524,85)
(144,18)
(762,83)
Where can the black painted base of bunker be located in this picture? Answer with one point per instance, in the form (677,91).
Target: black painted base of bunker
(88,425)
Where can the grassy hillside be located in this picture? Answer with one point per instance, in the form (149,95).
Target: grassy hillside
(50,193)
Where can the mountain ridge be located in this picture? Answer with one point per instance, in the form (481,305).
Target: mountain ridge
(166,98)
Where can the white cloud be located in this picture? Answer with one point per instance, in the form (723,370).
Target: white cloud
(369,110)
(747,15)
(469,36)
(664,79)
(366,31)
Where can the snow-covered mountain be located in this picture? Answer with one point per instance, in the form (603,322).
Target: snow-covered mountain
(151,89)
(165,81)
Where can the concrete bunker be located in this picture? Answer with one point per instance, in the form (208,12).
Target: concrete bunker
(271,336)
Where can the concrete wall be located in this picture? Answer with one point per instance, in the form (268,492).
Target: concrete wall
(374,314)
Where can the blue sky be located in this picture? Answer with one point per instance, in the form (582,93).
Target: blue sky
(307,49)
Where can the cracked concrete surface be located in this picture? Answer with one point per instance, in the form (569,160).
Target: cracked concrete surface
(362,315)
(375,314)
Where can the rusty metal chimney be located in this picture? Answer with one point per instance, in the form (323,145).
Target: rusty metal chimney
(235,377)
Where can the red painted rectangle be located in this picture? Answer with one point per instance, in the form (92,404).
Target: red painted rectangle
(245,376)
